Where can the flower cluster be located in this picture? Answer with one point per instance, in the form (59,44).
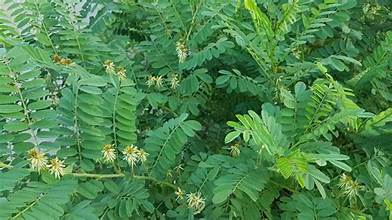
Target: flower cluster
(121,73)
(109,66)
(61,60)
(349,186)
(133,155)
(235,150)
(154,81)
(56,167)
(179,193)
(157,81)
(196,202)
(176,171)
(39,162)
(111,69)
(54,97)
(109,153)
(182,51)
(174,81)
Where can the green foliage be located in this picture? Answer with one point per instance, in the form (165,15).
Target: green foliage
(165,143)
(241,180)
(301,206)
(253,109)
(38,200)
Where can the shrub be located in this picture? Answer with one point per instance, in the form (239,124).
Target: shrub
(195,109)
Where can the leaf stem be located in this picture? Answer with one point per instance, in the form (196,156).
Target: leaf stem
(26,111)
(114,114)
(76,125)
(45,28)
(25,209)
(98,176)
(193,21)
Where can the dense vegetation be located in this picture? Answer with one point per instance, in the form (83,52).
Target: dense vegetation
(195,109)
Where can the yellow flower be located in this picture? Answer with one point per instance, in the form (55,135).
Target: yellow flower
(109,66)
(131,155)
(37,159)
(121,73)
(109,153)
(195,202)
(179,193)
(142,155)
(56,167)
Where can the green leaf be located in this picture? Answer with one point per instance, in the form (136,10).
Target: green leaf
(16,126)
(231,136)
(221,194)
(90,189)
(6,99)
(91,90)
(10,108)
(319,175)
(10,178)
(341,165)
(94,81)
(166,142)
(248,181)
(320,189)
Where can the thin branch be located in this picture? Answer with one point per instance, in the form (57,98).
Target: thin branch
(27,208)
